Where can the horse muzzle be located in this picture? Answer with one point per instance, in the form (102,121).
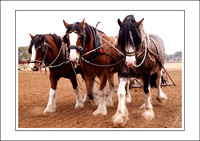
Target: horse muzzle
(35,68)
(74,60)
(74,56)
(130,65)
(130,61)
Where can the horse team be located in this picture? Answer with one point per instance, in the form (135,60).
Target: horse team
(88,51)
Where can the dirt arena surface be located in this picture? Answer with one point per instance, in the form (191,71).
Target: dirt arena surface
(33,94)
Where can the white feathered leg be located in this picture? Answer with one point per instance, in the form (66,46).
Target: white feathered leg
(101,110)
(79,100)
(160,97)
(121,116)
(51,106)
(109,101)
(128,94)
(148,112)
(86,98)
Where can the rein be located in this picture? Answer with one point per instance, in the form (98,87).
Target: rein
(146,45)
(107,42)
(97,65)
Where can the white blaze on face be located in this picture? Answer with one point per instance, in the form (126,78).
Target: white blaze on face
(33,55)
(73,55)
(73,38)
(130,60)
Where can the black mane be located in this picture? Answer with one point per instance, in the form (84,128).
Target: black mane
(129,24)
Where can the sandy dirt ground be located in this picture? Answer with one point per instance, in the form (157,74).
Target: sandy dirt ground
(33,93)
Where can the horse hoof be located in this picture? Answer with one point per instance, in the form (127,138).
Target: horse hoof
(148,114)
(120,120)
(79,105)
(161,99)
(100,111)
(49,110)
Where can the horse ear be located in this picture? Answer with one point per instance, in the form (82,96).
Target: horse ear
(66,24)
(82,24)
(119,22)
(138,23)
(31,36)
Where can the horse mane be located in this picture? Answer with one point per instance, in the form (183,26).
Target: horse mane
(57,40)
(124,34)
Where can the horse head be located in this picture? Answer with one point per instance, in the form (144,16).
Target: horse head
(129,39)
(37,51)
(75,39)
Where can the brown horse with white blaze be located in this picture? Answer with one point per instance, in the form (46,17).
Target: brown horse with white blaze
(48,48)
(96,53)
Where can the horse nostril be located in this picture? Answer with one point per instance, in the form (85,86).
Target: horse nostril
(35,68)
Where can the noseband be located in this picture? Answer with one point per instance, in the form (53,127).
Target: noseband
(79,48)
(130,53)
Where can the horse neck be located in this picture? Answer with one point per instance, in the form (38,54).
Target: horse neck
(52,52)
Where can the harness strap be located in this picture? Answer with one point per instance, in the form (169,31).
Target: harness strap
(98,65)
(97,43)
(158,59)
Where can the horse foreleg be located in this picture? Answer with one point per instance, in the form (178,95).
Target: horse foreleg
(86,98)
(148,112)
(101,110)
(121,116)
(94,91)
(160,97)
(128,94)
(79,100)
(109,101)
(51,106)
(89,80)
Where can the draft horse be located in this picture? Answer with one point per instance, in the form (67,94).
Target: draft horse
(48,48)
(95,53)
(144,59)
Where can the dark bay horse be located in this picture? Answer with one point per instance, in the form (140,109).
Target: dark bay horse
(144,59)
(95,52)
(49,49)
